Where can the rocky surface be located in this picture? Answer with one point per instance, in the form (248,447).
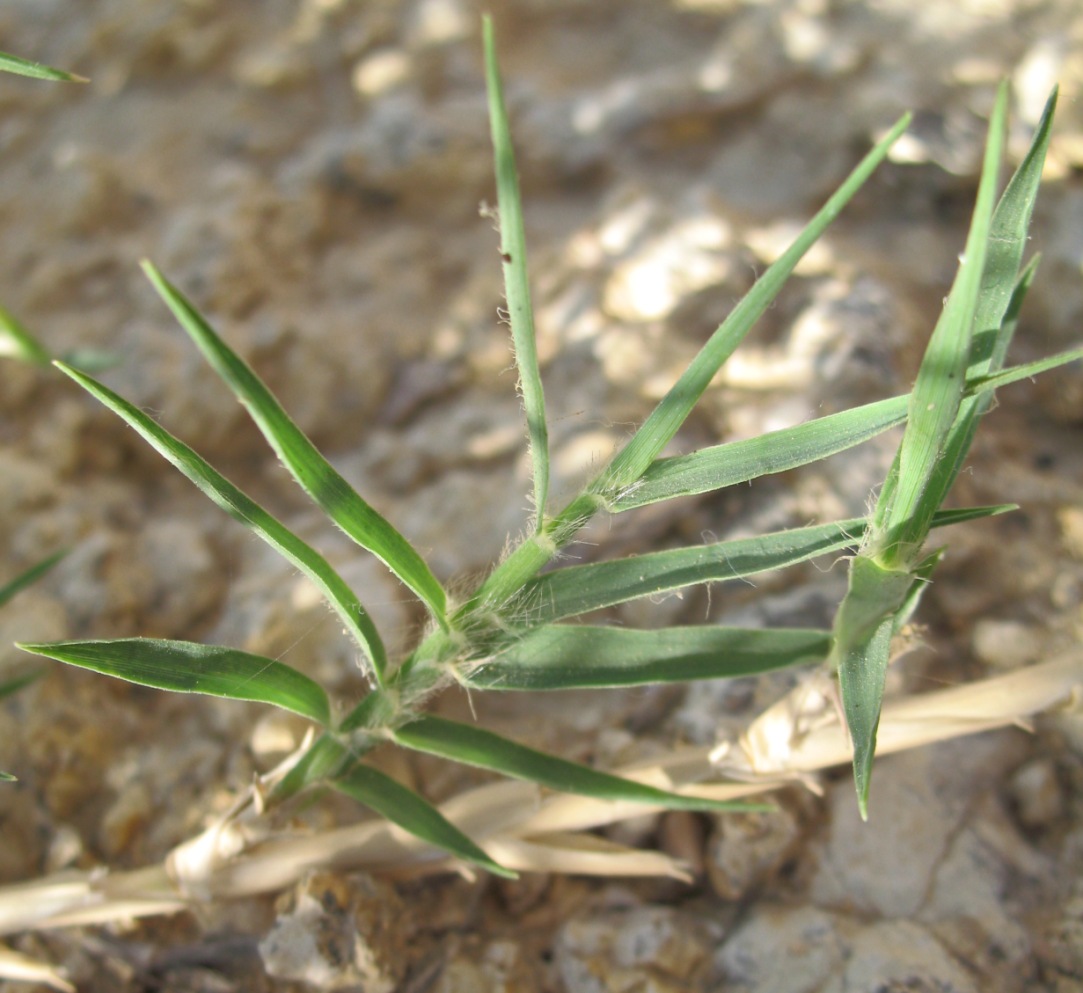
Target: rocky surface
(310,173)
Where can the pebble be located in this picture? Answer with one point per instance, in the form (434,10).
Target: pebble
(1037,794)
(1004,644)
(338,934)
(745,850)
(816,942)
(650,948)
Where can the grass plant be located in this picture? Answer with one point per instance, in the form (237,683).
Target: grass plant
(517,631)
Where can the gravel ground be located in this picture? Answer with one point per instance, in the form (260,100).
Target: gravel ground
(310,173)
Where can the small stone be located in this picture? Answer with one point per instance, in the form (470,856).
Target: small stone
(745,849)
(1004,644)
(338,934)
(967,908)
(647,948)
(918,802)
(1037,794)
(1061,945)
(815,945)
(900,955)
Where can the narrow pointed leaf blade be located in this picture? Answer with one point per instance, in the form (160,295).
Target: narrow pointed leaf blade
(662,424)
(1008,238)
(864,626)
(577,589)
(516,281)
(242,508)
(977,386)
(1000,301)
(473,746)
(777,451)
(1028,370)
(29,576)
(188,667)
(862,672)
(411,812)
(970,413)
(36,70)
(959,515)
(316,475)
(863,668)
(575,656)
(941,381)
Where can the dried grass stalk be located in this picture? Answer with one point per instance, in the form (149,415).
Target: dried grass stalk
(528,830)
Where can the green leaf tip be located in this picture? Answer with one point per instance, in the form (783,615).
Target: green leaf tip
(316,476)
(244,509)
(962,366)
(413,813)
(474,746)
(189,667)
(516,277)
(666,419)
(37,70)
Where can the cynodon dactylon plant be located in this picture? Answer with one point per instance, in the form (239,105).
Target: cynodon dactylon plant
(517,630)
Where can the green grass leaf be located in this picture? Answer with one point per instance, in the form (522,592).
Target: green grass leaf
(402,806)
(577,589)
(473,746)
(316,475)
(7,777)
(863,652)
(734,462)
(662,424)
(954,388)
(574,656)
(1027,370)
(242,508)
(1007,242)
(29,576)
(941,381)
(24,67)
(516,281)
(862,668)
(777,451)
(995,320)
(187,667)
(327,755)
